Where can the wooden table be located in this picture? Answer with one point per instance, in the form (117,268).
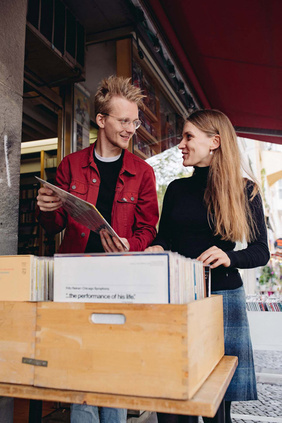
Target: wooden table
(206,402)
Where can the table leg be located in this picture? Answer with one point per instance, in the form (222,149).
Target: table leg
(35,411)
(176,418)
(219,417)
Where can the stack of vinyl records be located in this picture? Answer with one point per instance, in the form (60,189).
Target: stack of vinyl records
(143,277)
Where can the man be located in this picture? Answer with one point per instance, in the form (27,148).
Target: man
(118,183)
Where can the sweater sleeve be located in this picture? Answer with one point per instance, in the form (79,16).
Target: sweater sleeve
(257,252)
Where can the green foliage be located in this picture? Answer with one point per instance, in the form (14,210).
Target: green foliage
(268,276)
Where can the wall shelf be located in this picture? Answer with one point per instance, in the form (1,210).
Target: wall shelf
(35,160)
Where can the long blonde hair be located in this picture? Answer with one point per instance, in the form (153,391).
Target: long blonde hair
(225,196)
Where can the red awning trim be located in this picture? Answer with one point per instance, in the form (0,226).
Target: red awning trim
(231,52)
(178,50)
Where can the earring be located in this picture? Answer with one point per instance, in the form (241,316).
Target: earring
(211,152)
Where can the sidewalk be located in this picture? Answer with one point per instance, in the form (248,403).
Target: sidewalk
(268,408)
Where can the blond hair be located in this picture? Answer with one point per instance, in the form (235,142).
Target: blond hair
(116,86)
(226,194)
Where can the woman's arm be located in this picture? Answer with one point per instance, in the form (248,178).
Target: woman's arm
(257,252)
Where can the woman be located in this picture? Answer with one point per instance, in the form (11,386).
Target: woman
(203,217)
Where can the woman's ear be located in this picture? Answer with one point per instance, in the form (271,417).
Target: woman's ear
(100,120)
(215,142)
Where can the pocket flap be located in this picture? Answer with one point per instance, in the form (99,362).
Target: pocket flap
(78,187)
(128,197)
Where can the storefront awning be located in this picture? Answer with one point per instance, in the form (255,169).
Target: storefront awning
(231,52)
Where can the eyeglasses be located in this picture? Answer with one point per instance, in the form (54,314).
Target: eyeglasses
(125,123)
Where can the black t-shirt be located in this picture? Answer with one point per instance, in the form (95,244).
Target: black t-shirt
(109,171)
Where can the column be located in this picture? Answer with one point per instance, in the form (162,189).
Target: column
(12,46)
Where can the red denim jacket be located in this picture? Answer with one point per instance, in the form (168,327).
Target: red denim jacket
(135,207)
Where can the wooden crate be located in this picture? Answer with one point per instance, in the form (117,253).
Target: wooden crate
(17,341)
(160,351)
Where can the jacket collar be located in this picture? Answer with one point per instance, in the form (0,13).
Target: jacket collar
(88,159)
(128,164)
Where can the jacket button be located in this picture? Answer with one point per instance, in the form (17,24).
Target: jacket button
(83,234)
(73,187)
(94,180)
(132,198)
(124,199)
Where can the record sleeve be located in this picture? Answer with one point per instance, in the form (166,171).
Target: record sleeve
(82,211)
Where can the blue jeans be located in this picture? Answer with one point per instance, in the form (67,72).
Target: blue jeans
(237,342)
(6,410)
(82,413)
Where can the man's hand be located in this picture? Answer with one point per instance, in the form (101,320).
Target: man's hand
(47,200)
(111,244)
(215,257)
(154,249)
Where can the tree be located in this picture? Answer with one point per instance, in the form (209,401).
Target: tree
(167,167)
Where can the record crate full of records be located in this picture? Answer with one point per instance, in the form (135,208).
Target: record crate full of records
(144,328)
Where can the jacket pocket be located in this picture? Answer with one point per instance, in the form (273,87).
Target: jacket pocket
(126,205)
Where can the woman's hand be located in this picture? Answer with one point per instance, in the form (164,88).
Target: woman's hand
(154,249)
(214,257)
(111,244)
(47,200)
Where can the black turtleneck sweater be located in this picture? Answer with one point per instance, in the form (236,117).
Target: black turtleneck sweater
(184,228)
